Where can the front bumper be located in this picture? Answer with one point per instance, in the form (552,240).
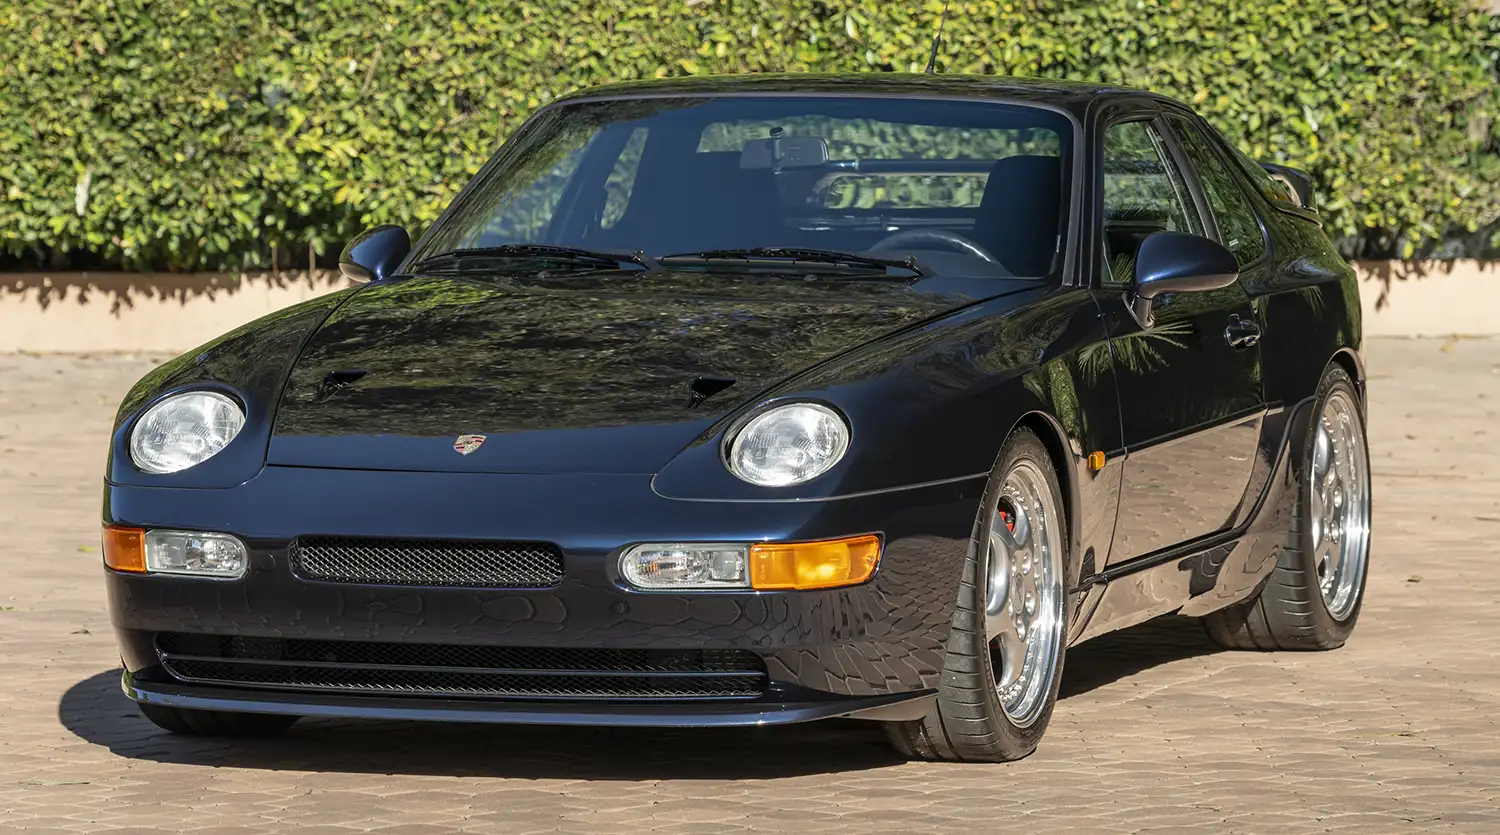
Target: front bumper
(873,650)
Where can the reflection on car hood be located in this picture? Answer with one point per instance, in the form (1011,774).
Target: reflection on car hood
(588,373)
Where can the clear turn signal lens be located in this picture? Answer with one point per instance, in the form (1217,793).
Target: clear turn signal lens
(685,565)
(197,554)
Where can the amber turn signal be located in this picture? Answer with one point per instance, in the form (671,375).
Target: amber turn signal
(125,549)
(823,564)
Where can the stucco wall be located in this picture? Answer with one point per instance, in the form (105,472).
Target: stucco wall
(168,313)
(1430,298)
(111,312)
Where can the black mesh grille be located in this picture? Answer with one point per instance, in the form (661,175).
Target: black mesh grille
(427,562)
(451,670)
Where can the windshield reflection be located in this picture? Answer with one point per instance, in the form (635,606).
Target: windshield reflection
(965,188)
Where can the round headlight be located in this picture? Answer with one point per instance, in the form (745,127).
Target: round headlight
(184,430)
(788,445)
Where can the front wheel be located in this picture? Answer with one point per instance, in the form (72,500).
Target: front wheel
(1313,597)
(1004,657)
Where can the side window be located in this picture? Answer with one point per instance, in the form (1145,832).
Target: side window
(1239,229)
(1144,193)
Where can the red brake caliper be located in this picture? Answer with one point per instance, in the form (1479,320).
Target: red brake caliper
(1010,522)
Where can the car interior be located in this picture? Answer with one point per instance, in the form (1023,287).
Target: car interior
(1018,219)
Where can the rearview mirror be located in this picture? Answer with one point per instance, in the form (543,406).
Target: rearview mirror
(1176,262)
(375,253)
(784,152)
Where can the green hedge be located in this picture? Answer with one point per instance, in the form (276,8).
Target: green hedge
(188,134)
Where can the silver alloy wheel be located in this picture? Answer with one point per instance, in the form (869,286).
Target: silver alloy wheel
(1023,613)
(1339,484)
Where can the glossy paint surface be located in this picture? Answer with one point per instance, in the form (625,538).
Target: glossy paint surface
(1190,410)
(882,636)
(250,364)
(375,253)
(581,373)
(601,433)
(1176,262)
(1218,570)
(1069,95)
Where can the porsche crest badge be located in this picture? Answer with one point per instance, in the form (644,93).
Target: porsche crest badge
(467,444)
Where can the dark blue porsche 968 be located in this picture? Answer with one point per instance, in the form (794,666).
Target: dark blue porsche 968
(756,400)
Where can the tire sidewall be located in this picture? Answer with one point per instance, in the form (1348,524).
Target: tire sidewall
(1024,444)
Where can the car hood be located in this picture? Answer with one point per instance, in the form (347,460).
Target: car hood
(576,374)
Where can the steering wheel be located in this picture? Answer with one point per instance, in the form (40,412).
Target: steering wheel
(951,240)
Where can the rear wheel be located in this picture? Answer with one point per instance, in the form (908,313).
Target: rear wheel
(1005,651)
(1313,597)
(190,722)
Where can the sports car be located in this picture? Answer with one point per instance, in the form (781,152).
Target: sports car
(757,400)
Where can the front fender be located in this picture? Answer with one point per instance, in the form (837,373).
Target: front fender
(250,364)
(934,403)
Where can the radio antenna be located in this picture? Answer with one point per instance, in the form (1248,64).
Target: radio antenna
(937,39)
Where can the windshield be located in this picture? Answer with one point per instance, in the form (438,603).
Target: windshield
(965,188)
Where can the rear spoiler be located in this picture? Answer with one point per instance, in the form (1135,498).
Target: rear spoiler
(1297,181)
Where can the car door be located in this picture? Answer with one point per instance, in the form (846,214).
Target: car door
(1190,390)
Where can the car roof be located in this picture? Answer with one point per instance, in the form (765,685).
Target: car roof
(1071,95)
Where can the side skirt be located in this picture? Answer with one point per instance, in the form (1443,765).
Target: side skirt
(1204,575)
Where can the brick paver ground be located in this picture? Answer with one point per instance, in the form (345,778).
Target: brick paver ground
(1158,731)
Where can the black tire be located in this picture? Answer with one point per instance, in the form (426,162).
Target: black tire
(967,722)
(190,722)
(1289,612)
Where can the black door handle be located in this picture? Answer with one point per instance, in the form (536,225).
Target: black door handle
(1241,333)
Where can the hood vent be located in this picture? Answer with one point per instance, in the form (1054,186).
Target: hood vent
(337,381)
(706,387)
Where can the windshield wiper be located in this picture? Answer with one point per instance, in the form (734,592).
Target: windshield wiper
(573,255)
(795,254)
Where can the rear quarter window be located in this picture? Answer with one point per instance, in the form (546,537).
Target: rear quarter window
(1270,188)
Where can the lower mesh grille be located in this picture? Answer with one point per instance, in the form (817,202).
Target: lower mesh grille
(427,562)
(458,671)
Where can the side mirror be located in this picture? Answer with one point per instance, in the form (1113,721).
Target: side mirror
(1176,262)
(374,253)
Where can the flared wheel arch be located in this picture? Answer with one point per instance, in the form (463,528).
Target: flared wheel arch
(1354,367)
(1346,359)
(1055,439)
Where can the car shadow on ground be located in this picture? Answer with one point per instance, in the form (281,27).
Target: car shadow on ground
(1119,655)
(99,713)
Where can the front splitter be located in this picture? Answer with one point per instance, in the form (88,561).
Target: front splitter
(678,714)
